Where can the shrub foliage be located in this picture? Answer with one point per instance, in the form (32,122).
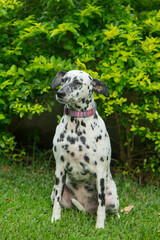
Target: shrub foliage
(109,40)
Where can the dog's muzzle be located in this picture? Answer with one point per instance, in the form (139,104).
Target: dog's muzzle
(61,94)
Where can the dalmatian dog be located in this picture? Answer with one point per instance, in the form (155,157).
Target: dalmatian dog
(82,150)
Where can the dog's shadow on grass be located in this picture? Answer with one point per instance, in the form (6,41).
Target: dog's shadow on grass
(76,218)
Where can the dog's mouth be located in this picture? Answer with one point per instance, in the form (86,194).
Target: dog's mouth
(60,100)
(63,100)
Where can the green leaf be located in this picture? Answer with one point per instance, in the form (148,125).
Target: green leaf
(1,101)
(111,33)
(2,116)
(21,71)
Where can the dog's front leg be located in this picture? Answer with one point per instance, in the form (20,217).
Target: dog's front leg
(101,190)
(58,188)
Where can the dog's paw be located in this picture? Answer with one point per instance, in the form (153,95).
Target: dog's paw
(100,217)
(100,224)
(55,217)
(118,215)
(56,214)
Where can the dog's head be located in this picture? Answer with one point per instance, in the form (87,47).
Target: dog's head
(77,85)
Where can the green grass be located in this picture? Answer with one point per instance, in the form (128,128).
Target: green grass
(25,210)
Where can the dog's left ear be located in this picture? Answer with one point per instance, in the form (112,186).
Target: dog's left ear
(100,87)
(58,79)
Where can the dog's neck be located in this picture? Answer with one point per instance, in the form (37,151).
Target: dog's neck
(80,114)
(82,105)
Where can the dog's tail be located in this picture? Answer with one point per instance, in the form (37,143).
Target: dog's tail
(78,205)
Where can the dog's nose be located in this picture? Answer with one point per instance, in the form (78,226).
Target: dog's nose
(60,94)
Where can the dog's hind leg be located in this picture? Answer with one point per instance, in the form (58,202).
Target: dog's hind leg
(66,200)
(111,198)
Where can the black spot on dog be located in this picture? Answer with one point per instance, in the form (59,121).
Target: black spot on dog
(74,185)
(85,172)
(92,127)
(102,159)
(95,163)
(72,140)
(82,164)
(63,178)
(67,165)
(83,123)
(66,126)
(111,205)
(55,148)
(87,146)
(72,154)
(89,189)
(70,169)
(77,106)
(98,138)
(62,158)
(77,125)
(57,181)
(102,184)
(109,193)
(87,102)
(72,119)
(95,116)
(62,120)
(65,146)
(102,195)
(84,132)
(83,139)
(80,148)
(79,133)
(83,100)
(86,158)
(62,136)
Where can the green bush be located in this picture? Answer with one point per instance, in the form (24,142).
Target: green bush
(109,40)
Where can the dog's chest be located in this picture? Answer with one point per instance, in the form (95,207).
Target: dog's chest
(79,144)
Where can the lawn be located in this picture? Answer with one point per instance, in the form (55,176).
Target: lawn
(25,210)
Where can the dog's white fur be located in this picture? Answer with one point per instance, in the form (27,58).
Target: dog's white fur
(82,151)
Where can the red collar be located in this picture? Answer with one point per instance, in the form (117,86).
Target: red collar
(79,114)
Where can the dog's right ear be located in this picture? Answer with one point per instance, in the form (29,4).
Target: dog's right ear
(57,80)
